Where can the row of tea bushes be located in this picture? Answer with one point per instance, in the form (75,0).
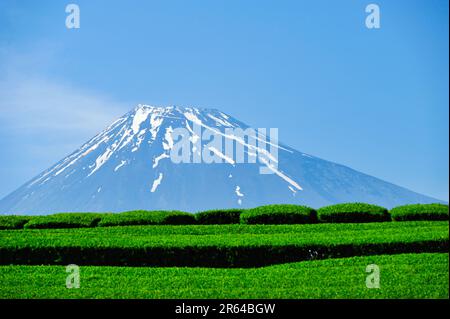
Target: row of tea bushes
(269,214)
(218,245)
(339,213)
(64,220)
(420,212)
(353,213)
(142,217)
(279,214)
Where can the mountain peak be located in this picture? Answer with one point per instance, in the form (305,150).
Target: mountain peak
(173,108)
(129,166)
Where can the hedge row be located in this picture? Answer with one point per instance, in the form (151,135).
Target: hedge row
(13,221)
(219,216)
(353,213)
(206,256)
(279,214)
(420,212)
(65,220)
(142,217)
(218,245)
(269,214)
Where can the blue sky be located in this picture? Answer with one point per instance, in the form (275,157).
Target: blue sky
(374,100)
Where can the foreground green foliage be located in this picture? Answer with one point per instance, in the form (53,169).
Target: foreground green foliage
(65,220)
(13,221)
(401,276)
(218,216)
(279,214)
(269,214)
(217,245)
(143,217)
(420,212)
(353,213)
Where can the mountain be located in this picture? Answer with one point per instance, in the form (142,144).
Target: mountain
(129,166)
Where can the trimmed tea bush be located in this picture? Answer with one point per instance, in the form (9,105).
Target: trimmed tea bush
(409,277)
(420,212)
(219,216)
(143,217)
(353,213)
(13,221)
(279,214)
(65,220)
(218,245)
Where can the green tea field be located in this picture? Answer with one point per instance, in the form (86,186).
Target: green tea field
(255,254)
(401,276)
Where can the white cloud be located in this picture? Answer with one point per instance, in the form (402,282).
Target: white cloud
(31,102)
(36,104)
(43,119)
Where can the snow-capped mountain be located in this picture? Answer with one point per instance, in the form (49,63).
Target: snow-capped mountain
(129,166)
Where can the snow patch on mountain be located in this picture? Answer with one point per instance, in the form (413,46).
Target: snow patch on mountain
(142,139)
(156,182)
(221,155)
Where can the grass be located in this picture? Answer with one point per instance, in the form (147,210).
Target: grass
(401,276)
(217,245)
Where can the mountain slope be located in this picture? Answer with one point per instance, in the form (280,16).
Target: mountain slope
(128,166)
